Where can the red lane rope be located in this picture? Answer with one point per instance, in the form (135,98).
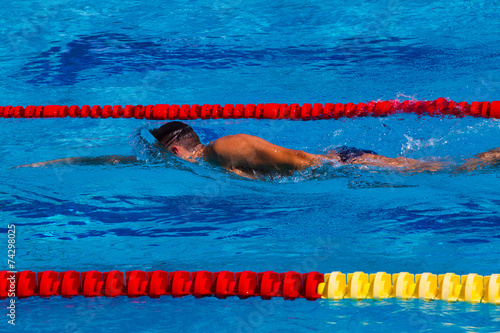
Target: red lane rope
(440,106)
(289,285)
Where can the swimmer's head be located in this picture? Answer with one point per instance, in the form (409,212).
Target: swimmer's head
(178,138)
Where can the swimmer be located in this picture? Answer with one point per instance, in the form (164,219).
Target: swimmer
(248,155)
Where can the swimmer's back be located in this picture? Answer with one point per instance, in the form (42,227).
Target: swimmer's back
(242,151)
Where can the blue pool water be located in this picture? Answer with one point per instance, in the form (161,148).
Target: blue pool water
(171,215)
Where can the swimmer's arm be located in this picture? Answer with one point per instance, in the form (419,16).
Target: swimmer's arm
(490,157)
(241,173)
(99,160)
(404,163)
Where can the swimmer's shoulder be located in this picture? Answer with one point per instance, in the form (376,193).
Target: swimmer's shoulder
(236,137)
(232,141)
(230,146)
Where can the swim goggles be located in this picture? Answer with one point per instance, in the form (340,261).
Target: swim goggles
(175,136)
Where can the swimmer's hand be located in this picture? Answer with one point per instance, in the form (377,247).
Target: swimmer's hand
(100,160)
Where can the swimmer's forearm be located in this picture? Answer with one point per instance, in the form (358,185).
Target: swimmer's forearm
(481,160)
(403,163)
(100,160)
(69,160)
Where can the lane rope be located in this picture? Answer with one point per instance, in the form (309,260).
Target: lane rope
(470,288)
(438,107)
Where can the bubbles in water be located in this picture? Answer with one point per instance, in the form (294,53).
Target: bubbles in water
(145,148)
(417,144)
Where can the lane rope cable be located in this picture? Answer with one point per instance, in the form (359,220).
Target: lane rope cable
(438,107)
(470,288)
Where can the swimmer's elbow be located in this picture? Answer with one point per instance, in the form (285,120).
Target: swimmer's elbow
(301,160)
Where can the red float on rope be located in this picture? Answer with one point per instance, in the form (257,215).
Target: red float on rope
(85,111)
(70,284)
(310,285)
(8,111)
(139,112)
(269,283)
(92,283)
(440,106)
(291,285)
(114,284)
(18,112)
(203,284)
(128,112)
(246,284)
(26,284)
(225,284)
(137,283)
(117,111)
(6,279)
(96,112)
(495,110)
(158,284)
(48,283)
(74,111)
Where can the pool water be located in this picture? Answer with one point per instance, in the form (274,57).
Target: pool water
(171,215)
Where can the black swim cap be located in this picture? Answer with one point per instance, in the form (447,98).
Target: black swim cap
(167,133)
